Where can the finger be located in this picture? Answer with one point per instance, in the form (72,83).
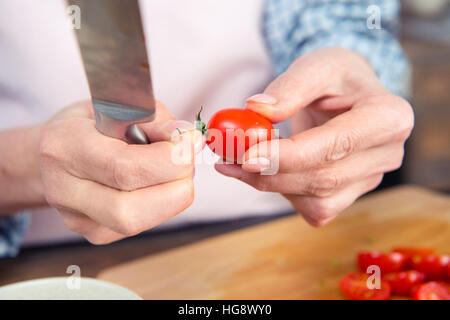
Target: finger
(309,78)
(306,80)
(126,213)
(380,120)
(326,180)
(91,155)
(320,211)
(88,228)
(80,109)
(162,128)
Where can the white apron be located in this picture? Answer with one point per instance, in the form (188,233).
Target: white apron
(202,52)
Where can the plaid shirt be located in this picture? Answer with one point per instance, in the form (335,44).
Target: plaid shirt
(293,28)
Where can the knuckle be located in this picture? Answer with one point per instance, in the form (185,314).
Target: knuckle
(393,162)
(123,219)
(398,160)
(97,240)
(75,225)
(97,237)
(263,183)
(376,182)
(324,208)
(403,119)
(324,182)
(315,222)
(341,145)
(124,174)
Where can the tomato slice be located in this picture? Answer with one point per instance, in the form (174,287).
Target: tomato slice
(403,283)
(432,291)
(448,272)
(388,262)
(434,266)
(354,287)
(412,253)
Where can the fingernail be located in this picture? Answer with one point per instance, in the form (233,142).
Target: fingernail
(256,164)
(229,170)
(262,98)
(181,125)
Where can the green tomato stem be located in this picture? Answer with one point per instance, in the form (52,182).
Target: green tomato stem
(199,124)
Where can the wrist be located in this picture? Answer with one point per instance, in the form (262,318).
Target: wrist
(19,169)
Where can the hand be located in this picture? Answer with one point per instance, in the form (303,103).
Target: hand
(106,189)
(348,131)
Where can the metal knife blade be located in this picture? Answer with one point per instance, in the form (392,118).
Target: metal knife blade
(113,50)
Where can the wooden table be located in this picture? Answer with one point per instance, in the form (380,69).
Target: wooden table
(284,258)
(53,261)
(287,258)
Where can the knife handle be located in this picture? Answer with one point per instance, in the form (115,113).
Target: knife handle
(135,135)
(121,122)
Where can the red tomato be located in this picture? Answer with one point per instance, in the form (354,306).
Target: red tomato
(354,287)
(388,262)
(434,266)
(411,253)
(431,291)
(245,127)
(404,282)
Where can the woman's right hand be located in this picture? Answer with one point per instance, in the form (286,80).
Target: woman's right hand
(106,189)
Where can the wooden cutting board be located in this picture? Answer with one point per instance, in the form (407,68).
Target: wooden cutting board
(288,259)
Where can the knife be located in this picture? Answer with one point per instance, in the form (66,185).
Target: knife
(113,51)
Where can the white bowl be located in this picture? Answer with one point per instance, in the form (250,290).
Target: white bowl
(59,289)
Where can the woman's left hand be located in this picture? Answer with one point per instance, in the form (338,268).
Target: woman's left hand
(348,131)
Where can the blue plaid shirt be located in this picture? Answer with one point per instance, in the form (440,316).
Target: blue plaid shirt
(293,28)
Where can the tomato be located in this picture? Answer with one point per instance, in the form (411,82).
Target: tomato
(434,266)
(432,291)
(354,287)
(245,127)
(388,262)
(404,282)
(412,253)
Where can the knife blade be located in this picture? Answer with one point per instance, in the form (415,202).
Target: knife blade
(114,54)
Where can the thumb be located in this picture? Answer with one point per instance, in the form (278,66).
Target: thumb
(306,80)
(164,125)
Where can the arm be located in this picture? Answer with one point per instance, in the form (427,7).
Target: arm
(102,188)
(20,181)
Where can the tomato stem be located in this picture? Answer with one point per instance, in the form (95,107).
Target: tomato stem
(199,124)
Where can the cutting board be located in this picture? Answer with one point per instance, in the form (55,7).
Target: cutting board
(287,258)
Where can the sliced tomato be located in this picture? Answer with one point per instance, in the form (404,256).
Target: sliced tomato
(388,262)
(354,286)
(434,266)
(404,282)
(448,272)
(412,253)
(432,290)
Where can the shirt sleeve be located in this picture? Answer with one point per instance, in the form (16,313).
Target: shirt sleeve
(12,230)
(293,28)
